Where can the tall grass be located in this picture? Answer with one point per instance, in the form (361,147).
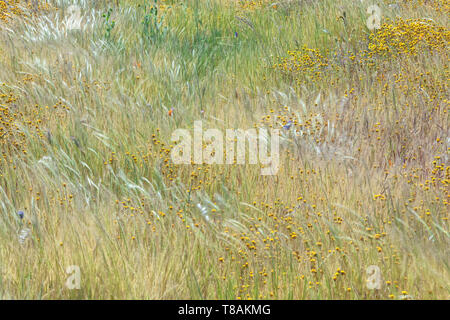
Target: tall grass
(363,180)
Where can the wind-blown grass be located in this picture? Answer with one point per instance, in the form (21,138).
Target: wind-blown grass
(85,137)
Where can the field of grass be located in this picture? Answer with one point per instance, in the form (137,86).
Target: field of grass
(90,96)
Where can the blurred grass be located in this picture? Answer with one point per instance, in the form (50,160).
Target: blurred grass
(87,155)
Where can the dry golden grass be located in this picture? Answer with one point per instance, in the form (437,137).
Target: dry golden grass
(86,117)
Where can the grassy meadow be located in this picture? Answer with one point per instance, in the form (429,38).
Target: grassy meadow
(90,96)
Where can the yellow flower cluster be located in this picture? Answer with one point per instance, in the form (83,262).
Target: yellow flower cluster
(306,64)
(9,126)
(442,6)
(11,8)
(395,38)
(8,9)
(408,37)
(18,121)
(252,5)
